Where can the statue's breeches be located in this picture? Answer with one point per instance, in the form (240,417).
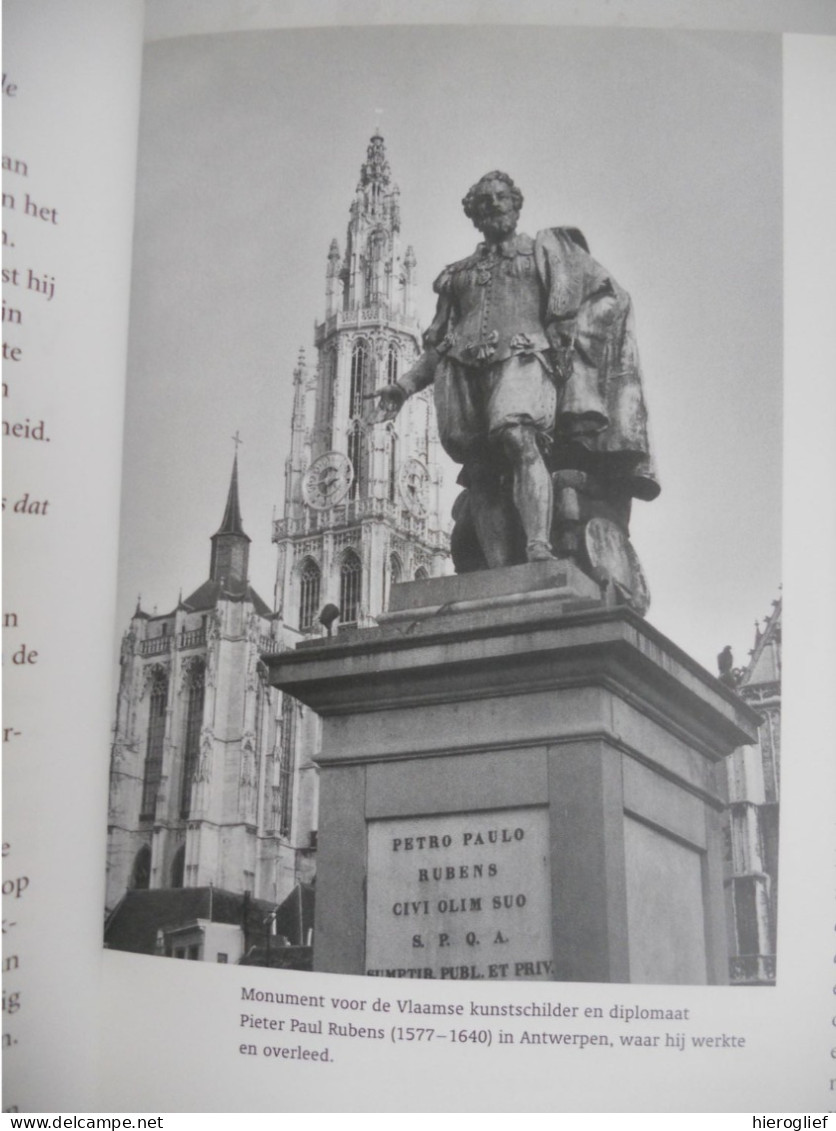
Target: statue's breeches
(473,403)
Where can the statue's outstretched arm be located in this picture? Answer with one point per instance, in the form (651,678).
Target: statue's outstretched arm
(390,398)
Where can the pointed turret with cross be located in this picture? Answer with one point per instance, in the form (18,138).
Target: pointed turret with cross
(230,545)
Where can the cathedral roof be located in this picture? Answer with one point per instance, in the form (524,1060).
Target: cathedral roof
(207,595)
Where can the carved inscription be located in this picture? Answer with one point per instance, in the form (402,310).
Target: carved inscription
(462,896)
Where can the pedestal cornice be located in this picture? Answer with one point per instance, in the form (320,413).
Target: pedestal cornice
(514,648)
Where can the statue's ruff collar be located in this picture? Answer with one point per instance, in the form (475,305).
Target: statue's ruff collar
(518,244)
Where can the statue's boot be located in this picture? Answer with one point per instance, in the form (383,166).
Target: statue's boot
(538,551)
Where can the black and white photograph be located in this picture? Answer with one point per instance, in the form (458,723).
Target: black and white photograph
(449,596)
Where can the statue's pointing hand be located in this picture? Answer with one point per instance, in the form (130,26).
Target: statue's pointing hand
(390,399)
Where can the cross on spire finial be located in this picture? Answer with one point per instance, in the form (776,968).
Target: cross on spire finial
(236,439)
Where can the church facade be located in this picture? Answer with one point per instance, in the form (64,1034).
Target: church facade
(754,783)
(213,785)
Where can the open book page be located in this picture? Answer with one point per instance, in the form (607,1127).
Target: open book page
(672,152)
(70,110)
(665,150)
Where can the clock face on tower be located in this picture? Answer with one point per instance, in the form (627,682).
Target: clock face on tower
(414,484)
(327,480)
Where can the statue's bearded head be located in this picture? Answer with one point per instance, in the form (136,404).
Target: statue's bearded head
(494,204)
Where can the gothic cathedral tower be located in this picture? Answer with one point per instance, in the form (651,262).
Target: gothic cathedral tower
(361,500)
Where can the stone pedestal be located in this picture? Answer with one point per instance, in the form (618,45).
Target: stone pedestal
(517,781)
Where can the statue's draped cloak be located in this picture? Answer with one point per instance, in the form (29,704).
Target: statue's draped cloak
(589,322)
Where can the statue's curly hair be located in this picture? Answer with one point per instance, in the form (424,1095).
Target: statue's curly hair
(495,175)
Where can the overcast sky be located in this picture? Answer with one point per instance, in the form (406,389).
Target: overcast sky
(663,147)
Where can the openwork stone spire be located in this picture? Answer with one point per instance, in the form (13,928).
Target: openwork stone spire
(375,169)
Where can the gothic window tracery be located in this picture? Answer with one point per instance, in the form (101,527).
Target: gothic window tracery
(351,576)
(329,397)
(376,252)
(359,371)
(154,744)
(178,867)
(392,485)
(357,455)
(141,872)
(196,692)
(421,574)
(421,411)
(392,575)
(286,765)
(392,358)
(310,588)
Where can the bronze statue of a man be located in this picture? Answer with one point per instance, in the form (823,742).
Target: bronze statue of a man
(537,388)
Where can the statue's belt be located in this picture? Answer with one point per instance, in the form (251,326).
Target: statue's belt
(491,349)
